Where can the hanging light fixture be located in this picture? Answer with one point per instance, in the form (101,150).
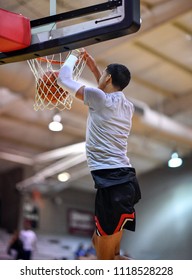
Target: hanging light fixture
(175,160)
(63,177)
(56,124)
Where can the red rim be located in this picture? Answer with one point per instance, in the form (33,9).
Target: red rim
(52,61)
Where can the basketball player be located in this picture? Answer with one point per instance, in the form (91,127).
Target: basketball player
(108,127)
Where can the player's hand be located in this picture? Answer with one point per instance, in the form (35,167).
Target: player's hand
(78,52)
(75,52)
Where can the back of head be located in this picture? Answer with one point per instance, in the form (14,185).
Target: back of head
(120,75)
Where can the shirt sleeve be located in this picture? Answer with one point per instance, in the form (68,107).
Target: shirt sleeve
(94,98)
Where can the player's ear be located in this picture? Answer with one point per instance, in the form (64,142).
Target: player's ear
(109,78)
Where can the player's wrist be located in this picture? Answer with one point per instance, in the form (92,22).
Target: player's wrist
(78,52)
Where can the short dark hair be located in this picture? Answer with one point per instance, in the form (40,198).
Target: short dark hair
(120,75)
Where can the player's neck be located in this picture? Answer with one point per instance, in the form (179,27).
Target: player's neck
(110,89)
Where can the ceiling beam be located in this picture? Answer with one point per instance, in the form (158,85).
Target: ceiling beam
(168,127)
(60,153)
(182,27)
(164,12)
(181,103)
(163,57)
(21,144)
(153,87)
(151,18)
(16,158)
(69,130)
(55,168)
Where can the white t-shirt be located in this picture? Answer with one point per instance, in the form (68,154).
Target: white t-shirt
(108,127)
(29,239)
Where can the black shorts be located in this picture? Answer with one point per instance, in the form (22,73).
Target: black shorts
(114,205)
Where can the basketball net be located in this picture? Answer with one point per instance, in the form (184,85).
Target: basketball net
(48,94)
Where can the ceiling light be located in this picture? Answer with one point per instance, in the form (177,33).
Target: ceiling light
(64,177)
(175,160)
(56,124)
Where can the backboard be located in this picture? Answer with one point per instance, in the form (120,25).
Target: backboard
(112,19)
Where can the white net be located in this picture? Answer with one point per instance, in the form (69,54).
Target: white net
(48,94)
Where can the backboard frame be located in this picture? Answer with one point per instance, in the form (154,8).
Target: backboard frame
(124,19)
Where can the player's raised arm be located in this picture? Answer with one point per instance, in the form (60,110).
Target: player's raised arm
(65,78)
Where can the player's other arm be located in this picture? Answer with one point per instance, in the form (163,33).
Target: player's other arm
(91,63)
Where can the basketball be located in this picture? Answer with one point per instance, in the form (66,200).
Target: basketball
(48,94)
(48,89)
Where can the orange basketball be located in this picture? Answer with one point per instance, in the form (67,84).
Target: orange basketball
(48,89)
